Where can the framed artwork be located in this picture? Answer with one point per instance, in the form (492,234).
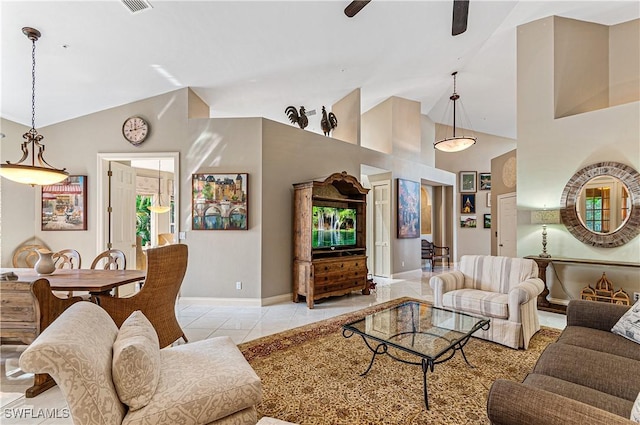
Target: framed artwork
(220,201)
(487,221)
(467,181)
(485,181)
(488,199)
(468,221)
(468,203)
(408,209)
(64,205)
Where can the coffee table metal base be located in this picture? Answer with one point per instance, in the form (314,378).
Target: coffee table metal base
(427,363)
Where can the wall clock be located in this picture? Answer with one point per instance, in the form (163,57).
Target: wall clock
(135,130)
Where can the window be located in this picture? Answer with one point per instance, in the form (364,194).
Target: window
(597,209)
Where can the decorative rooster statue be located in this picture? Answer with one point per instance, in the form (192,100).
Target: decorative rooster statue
(328,122)
(295,118)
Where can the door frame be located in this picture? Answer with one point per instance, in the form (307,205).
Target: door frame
(103,158)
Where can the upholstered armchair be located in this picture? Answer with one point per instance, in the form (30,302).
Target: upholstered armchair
(501,288)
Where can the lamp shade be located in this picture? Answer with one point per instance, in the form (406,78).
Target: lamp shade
(32,175)
(454,144)
(545,217)
(159,209)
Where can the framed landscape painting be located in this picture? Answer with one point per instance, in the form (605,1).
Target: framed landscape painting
(408,209)
(467,182)
(468,221)
(485,181)
(220,201)
(64,204)
(487,221)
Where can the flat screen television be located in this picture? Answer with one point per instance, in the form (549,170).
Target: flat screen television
(333,227)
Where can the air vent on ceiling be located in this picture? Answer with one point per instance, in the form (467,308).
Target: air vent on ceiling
(135,6)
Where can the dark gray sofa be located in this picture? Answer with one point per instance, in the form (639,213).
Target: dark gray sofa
(589,376)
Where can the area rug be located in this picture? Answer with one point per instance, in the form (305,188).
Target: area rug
(311,375)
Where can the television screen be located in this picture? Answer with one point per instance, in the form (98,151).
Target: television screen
(333,227)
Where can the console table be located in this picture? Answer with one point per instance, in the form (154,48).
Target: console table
(546,305)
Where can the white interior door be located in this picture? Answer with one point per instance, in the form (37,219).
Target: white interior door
(123,216)
(382,228)
(507,225)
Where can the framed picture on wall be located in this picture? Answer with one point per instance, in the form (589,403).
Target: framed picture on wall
(64,205)
(467,182)
(468,221)
(408,209)
(485,181)
(487,221)
(220,201)
(468,203)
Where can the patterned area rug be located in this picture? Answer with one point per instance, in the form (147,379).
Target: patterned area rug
(310,375)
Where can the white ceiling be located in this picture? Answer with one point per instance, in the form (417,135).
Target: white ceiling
(256,58)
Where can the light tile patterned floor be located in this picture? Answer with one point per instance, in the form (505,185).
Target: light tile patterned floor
(207,321)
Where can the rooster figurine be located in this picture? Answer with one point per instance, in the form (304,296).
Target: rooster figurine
(295,118)
(328,122)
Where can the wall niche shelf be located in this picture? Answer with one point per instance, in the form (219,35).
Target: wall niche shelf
(329,270)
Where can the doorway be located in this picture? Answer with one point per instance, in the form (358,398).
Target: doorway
(116,215)
(507,225)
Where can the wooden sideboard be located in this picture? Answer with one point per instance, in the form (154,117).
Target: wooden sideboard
(543,303)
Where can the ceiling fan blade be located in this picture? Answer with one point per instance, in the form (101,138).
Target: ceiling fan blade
(355,7)
(460,15)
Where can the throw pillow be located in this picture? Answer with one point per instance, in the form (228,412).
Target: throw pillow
(635,411)
(136,361)
(629,324)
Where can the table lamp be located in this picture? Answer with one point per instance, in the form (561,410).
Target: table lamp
(545,217)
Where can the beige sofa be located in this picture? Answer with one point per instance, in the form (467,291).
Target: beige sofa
(203,382)
(503,289)
(589,376)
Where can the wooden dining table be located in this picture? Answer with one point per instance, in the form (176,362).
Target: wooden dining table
(29,304)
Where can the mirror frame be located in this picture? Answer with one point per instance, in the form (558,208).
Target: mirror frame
(571,194)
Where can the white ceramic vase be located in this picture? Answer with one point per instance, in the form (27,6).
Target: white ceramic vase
(44,265)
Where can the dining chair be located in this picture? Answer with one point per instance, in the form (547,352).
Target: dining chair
(111,259)
(26,255)
(166,266)
(67,259)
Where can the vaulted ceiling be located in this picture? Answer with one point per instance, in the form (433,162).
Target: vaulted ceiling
(255,58)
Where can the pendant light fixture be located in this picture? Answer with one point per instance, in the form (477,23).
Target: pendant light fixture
(456,142)
(43,173)
(159,208)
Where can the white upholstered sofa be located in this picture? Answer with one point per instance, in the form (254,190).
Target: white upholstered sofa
(501,288)
(98,366)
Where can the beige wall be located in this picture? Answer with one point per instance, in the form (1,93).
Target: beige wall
(624,63)
(551,150)
(275,156)
(581,58)
(476,158)
(347,112)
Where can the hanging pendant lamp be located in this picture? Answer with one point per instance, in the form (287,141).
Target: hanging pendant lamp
(456,142)
(43,173)
(159,208)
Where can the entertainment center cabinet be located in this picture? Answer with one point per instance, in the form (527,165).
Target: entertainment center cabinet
(321,269)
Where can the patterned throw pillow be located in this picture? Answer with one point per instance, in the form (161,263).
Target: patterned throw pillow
(635,411)
(629,324)
(136,361)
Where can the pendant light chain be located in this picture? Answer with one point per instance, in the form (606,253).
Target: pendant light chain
(33,84)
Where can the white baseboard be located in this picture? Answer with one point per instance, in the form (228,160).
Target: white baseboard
(243,302)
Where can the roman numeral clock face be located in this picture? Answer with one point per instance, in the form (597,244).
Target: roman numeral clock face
(135,130)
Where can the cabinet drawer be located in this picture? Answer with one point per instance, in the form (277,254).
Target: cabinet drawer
(338,266)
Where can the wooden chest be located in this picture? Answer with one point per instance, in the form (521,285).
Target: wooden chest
(19,321)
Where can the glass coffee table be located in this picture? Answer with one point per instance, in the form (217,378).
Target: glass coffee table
(417,328)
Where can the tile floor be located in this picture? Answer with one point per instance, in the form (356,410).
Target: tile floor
(206,321)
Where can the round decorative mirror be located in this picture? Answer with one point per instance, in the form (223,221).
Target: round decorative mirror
(600,205)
